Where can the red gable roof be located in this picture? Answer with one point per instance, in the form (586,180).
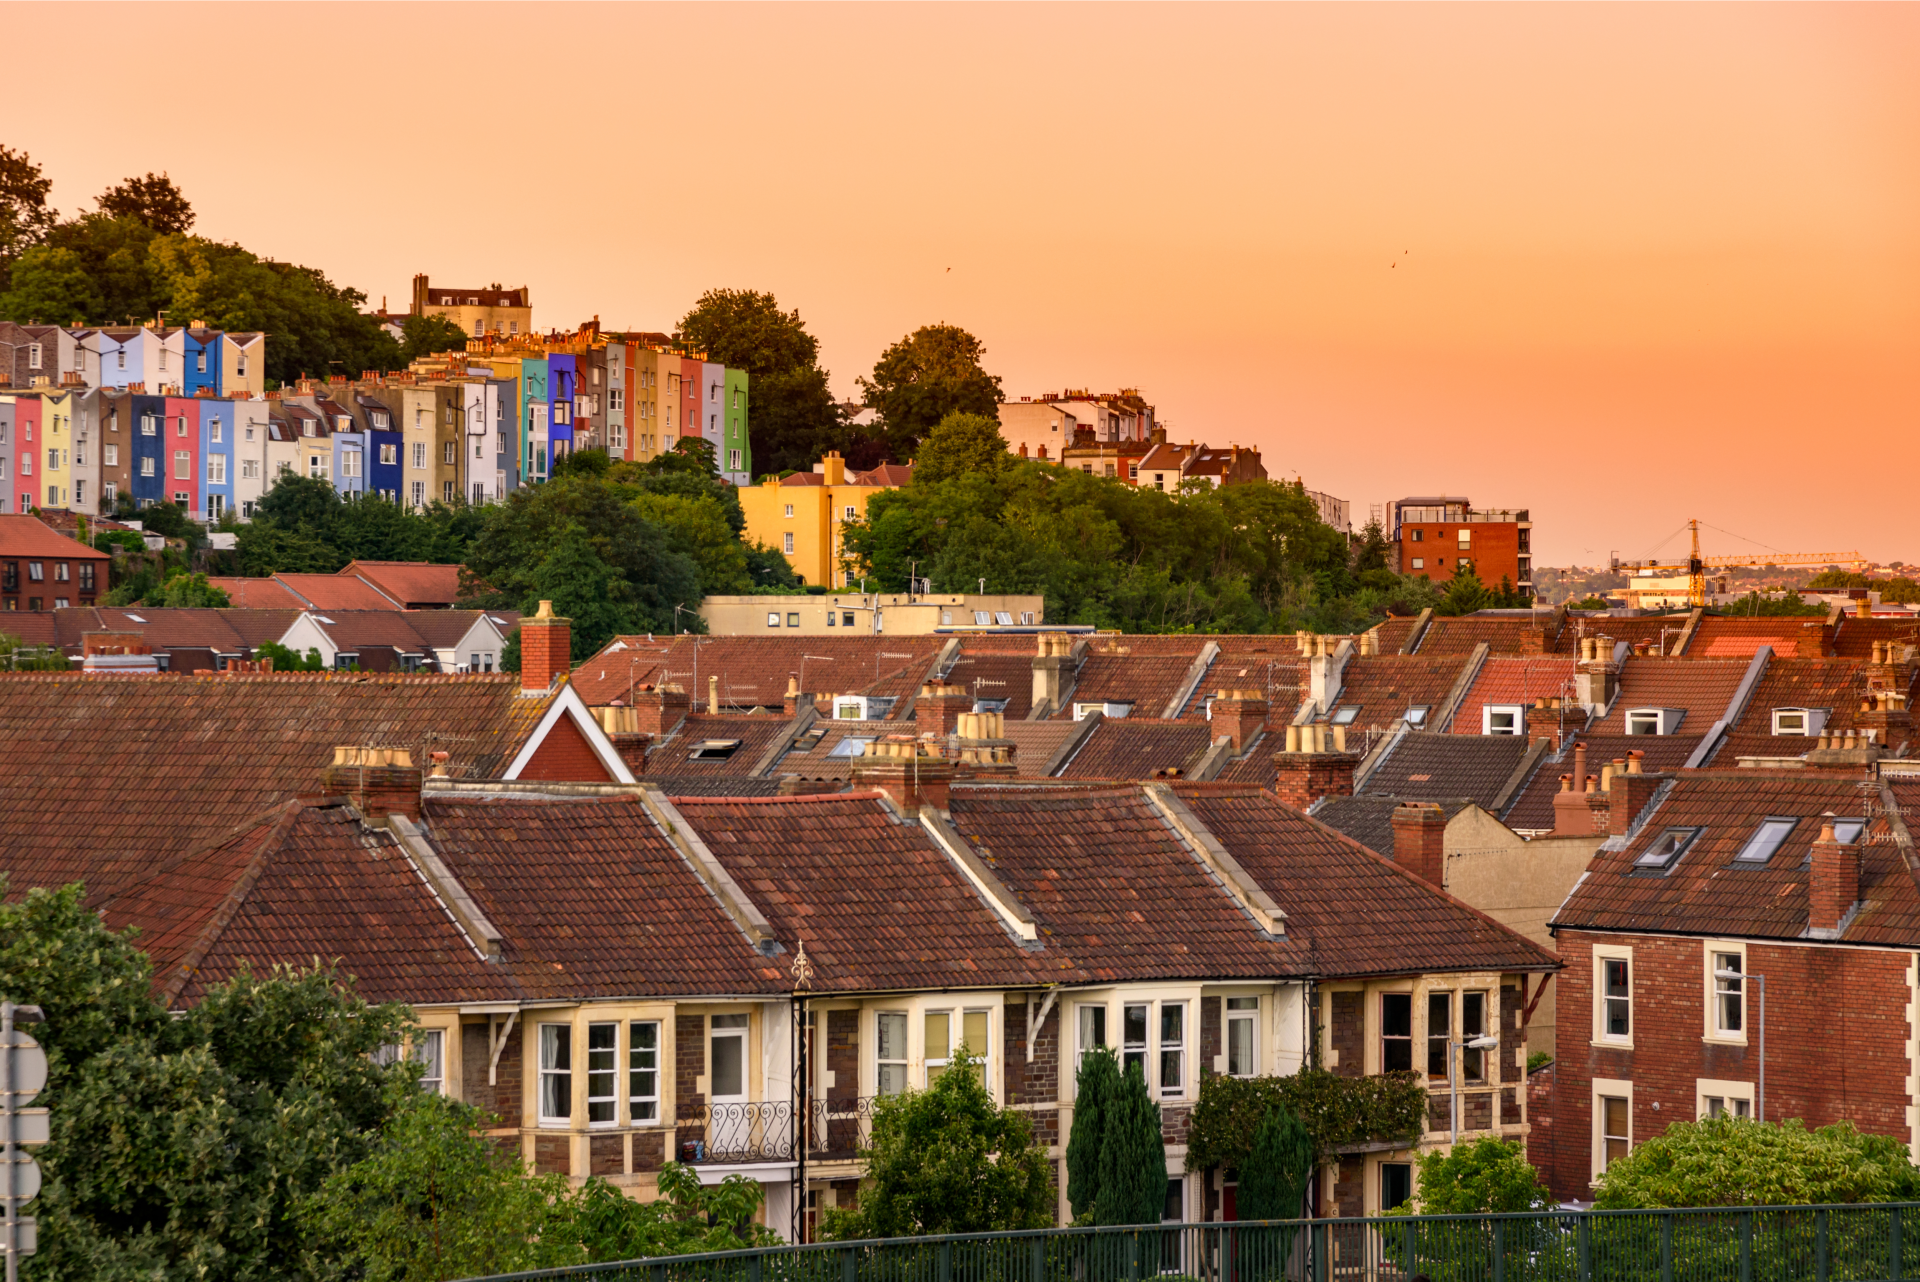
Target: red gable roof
(27,536)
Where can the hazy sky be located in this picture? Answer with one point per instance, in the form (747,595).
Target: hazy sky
(1621,264)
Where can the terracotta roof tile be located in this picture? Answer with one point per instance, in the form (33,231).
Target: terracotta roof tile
(1856,636)
(27,536)
(1351,911)
(336,592)
(1735,638)
(1504,680)
(1273,668)
(1385,686)
(754,670)
(1146,672)
(1502,635)
(1428,767)
(990,674)
(414,584)
(1701,687)
(1531,809)
(142,769)
(1138,748)
(1393,635)
(876,903)
(1836,685)
(813,754)
(1705,892)
(679,753)
(1660,630)
(257,594)
(1369,819)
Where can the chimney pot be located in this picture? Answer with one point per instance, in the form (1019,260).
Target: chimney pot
(1834,884)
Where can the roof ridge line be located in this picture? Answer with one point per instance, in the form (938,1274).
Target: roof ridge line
(222,917)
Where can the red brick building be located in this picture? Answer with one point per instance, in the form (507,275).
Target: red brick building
(41,569)
(1766,902)
(1435,536)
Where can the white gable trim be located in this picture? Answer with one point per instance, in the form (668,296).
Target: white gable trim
(306,634)
(568,703)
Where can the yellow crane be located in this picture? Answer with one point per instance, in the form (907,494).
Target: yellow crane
(1695,566)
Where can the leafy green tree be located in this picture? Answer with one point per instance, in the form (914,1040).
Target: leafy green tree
(169,520)
(1785,603)
(188,1147)
(53,286)
(428,336)
(962,442)
(791,415)
(1133,1156)
(1371,552)
(949,1160)
(926,376)
(285,660)
(1465,593)
(1482,1176)
(1588,603)
(698,529)
(769,570)
(190,590)
(576,542)
(1276,1175)
(1095,1084)
(25,218)
(153,200)
(1729,1161)
(17,656)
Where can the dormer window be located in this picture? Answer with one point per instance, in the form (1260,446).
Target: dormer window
(1081,711)
(714,750)
(1655,720)
(1799,721)
(1666,849)
(1505,718)
(850,747)
(1417,715)
(1346,714)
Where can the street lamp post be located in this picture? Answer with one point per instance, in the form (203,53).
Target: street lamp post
(1760,1092)
(1453,1089)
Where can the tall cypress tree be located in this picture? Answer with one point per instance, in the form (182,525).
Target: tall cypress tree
(1275,1176)
(1095,1086)
(1133,1157)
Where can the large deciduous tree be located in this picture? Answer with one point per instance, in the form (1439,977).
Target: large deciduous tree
(791,415)
(25,218)
(153,200)
(926,376)
(962,443)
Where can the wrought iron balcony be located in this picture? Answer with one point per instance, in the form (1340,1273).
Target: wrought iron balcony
(736,1134)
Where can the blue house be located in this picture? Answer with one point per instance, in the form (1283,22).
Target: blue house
(349,448)
(564,375)
(383,448)
(148,470)
(216,450)
(202,360)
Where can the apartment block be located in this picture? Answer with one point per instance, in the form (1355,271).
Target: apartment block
(1435,536)
(494,310)
(805,515)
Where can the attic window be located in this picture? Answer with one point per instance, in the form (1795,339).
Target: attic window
(1346,714)
(1766,840)
(1666,848)
(1417,714)
(1081,711)
(136,618)
(1847,831)
(1654,720)
(1003,617)
(1503,719)
(1799,721)
(850,747)
(714,750)
(324,619)
(989,705)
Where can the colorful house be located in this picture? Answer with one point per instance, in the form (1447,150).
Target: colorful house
(148,474)
(217,433)
(736,454)
(181,449)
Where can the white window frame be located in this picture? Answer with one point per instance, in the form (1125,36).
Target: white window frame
(1812,721)
(1143,1048)
(1249,1018)
(956,1017)
(1710,952)
(554,1046)
(1730,1094)
(733,1032)
(787,543)
(1083,1016)
(603,1074)
(1178,1049)
(643,1107)
(901,1059)
(789,511)
(1603,953)
(1665,721)
(1605,1088)
(430,1050)
(1515,725)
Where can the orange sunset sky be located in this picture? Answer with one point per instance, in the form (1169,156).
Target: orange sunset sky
(1620,264)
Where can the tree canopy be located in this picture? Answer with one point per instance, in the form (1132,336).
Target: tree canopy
(961,443)
(926,376)
(303,526)
(948,1160)
(791,415)
(153,200)
(24,215)
(1730,1161)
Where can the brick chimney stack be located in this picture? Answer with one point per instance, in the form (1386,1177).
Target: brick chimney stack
(936,712)
(1315,763)
(378,781)
(1420,840)
(1240,715)
(1885,713)
(659,710)
(903,770)
(1630,794)
(546,650)
(1553,718)
(1834,886)
(1052,666)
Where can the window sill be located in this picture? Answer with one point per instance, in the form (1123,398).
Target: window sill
(1717,1039)
(1612,1045)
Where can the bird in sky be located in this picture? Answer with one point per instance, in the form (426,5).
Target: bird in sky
(949,269)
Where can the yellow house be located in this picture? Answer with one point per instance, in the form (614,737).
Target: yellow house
(805,515)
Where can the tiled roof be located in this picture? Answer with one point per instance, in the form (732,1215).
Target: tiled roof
(227,631)
(812,755)
(446,628)
(1703,687)
(127,772)
(254,594)
(1661,630)
(1705,892)
(304,882)
(27,536)
(1735,638)
(1147,676)
(1427,767)
(1385,686)
(1353,912)
(411,583)
(991,674)
(354,629)
(1505,680)
(1275,668)
(1837,685)
(35,627)
(1502,635)
(337,592)
(754,670)
(876,903)
(1369,820)
(1856,636)
(1393,634)
(674,754)
(1112,886)
(714,786)
(1531,809)
(1036,742)
(1137,748)
(591,900)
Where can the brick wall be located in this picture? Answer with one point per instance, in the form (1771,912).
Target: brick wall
(649,1150)
(1837,1038)
(689,1062)
(1349,1187)
(1210,1046)
(552,1154)
(843,1053)
(502,1100)
(1347,1037)
(564,756)
(1039,1080)
(606,1154)
(1512,1009)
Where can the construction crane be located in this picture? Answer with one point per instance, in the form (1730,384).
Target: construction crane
(1695,567)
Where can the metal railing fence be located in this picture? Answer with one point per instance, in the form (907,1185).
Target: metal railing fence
(1873,1243)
